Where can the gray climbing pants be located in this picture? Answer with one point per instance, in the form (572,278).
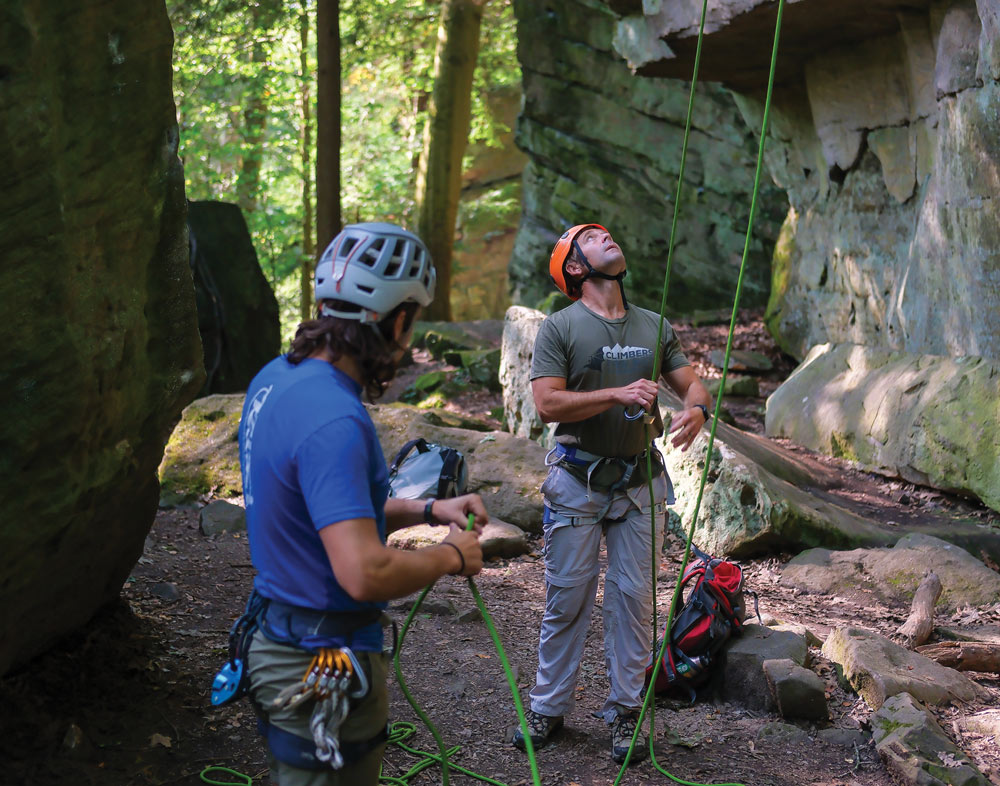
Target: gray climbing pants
(572,568)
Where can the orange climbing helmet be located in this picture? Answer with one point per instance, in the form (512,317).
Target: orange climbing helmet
(557,262)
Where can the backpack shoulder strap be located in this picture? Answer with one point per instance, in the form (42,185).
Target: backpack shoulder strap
(419,443)
(448,481)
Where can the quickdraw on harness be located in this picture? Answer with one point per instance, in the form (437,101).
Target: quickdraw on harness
(332,680)
(327,681)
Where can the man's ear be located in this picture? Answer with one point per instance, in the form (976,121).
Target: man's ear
(574,267)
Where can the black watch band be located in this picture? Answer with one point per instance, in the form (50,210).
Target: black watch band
(428,513)
(704,410)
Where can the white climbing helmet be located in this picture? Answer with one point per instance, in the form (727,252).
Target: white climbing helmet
(375,267)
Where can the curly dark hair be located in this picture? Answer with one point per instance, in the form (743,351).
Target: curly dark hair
(371,345)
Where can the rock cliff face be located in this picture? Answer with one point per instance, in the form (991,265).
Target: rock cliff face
(885,137)
(100,344)
(605,146)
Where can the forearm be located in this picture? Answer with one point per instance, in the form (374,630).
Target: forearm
(400,513)
(395,573)
(697,395)
(570,406)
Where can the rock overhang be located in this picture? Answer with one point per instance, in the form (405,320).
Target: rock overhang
(736,49)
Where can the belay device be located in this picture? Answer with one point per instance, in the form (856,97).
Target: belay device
(713,611)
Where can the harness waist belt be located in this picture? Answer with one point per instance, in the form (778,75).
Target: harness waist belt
(285,623)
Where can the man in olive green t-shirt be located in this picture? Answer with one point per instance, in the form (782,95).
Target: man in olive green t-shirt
(591,373)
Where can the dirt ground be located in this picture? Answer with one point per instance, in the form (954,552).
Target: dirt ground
(125,701)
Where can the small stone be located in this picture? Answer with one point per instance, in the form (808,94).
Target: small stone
(221,516)
(470,615)
(781,734)
(166,591)
(74,739)
(798,692)
(846,738)
(741,360)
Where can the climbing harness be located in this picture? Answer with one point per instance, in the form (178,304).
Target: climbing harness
(648,705)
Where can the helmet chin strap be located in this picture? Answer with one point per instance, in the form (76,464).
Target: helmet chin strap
(591,273)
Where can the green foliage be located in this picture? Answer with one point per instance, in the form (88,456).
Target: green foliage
(237,84)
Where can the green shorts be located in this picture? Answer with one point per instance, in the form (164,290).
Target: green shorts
(275,666)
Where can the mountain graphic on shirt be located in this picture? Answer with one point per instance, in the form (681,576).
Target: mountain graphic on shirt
(615,354)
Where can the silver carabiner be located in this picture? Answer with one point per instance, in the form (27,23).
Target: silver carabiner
(362,689)
(648,415)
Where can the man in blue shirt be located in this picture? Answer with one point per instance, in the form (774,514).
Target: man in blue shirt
(316,491)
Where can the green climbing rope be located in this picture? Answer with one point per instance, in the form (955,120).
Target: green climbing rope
(428,759)
(648,705)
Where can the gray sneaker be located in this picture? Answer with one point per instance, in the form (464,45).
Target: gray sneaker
(622,729)
(542,729)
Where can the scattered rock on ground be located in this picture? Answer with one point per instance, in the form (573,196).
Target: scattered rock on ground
(741,360)
(221,516)
(743,680)
(799,630)
(499,539)
(878,668)
(798,692)
(781,734)
(986,722)
(916,749)
(846,737)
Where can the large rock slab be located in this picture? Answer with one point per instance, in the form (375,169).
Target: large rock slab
(916,749)
(237,310)
(877,669)
(928,419)
(892,575)
(498,539)
(604,146)
(520,416)
(100,336)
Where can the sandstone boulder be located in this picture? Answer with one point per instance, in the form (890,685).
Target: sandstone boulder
(743,678)
(237,310)
(519,332)
(498,539)
(892,575)
(797,691)
(928,419)
(916,749)
(877,669)
(100,338)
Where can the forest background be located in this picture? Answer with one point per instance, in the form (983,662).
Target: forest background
(245,83)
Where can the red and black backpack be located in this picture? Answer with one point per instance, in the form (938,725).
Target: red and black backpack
(713,610)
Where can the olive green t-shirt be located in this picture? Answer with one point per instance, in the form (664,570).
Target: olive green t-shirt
(593,353)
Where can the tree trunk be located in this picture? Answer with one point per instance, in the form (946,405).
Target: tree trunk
(964,655)
(263,16)
(918,626)
(439,178)
(327,122)
(308,247)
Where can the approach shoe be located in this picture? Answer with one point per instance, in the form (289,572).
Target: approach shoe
(542,729)
(622,729)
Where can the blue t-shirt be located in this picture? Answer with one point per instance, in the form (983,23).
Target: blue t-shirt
(310,458)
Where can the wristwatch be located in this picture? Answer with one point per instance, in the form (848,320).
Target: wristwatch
(428,513)
(704,410)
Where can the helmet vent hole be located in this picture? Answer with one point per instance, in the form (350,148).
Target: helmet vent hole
(371,254)
(366,290)
(347,246)
(396,260)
